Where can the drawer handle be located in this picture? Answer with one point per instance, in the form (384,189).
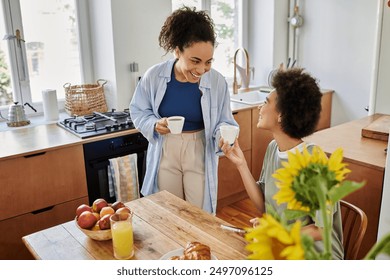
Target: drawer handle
(35,155)
(42,210)
(234,113)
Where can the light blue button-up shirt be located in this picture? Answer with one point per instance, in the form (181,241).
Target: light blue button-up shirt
(215,103)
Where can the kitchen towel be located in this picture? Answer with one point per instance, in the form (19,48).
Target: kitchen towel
(50,105)
(123,178)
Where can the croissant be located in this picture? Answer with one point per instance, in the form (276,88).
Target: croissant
(197,251)
(194,251)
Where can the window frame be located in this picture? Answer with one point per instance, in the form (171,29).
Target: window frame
(242,17)
(21,88)
(12,14)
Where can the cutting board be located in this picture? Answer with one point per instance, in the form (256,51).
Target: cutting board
(378,129)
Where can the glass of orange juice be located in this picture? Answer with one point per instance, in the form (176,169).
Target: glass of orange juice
(122,235)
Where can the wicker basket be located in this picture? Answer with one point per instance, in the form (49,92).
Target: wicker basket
(85,99)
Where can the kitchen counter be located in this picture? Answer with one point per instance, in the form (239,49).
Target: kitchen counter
(366,158)
(32,139)
(40,136)
(357,149)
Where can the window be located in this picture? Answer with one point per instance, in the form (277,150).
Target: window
(227,16)
(39,49)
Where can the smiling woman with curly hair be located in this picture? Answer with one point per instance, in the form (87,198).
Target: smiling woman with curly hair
(184,164)
(291,111)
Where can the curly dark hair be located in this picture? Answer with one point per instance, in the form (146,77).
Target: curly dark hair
(184,27)
(298,99)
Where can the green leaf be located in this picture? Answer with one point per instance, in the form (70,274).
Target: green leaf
(295,214)
(271,211)
(344,189)
(381,247)
(386,249)
(308,247)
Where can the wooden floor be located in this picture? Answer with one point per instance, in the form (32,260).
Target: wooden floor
(239,213)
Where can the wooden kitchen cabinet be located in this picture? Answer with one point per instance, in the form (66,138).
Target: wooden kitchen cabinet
(230,186)
(38,190)
(366,159)
(13,229)
(260,139)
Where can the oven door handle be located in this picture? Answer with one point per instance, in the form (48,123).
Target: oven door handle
(99,164)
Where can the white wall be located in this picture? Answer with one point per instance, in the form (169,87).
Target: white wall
(336,44)
(124,32)
(267,36)
(381,101)
(103,48)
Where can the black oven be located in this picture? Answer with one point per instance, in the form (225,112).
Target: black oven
(97,155)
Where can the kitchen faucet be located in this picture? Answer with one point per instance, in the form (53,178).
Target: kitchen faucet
(244,72)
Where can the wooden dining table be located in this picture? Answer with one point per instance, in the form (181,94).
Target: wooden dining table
(162,223)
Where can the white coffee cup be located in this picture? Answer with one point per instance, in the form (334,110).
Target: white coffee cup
(175,124)
(229,133)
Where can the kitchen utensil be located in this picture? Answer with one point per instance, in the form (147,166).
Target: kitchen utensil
(234,229)
(17,115)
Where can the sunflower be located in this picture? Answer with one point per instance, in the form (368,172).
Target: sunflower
(270,240)
(305,174)
(310,185)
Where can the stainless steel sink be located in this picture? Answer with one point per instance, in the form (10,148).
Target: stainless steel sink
(251,97)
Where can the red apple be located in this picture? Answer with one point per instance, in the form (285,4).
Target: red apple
(106,210)
(117,204)
(82,208)
(98,204)
(86,220)
(97,215)
(104,222)
(122,212)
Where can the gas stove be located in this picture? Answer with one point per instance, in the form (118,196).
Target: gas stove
(98,123)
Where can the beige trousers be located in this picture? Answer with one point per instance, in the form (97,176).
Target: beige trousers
(182,166)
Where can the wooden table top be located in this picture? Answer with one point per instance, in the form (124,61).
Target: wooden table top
(162,222)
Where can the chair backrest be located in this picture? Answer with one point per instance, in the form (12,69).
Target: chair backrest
(354,227)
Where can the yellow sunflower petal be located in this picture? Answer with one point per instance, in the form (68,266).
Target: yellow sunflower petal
(270,240)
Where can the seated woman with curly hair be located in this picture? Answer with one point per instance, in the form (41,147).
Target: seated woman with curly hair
(291,112)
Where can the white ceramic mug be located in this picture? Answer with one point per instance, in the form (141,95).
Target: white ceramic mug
(175,124)
(229,133)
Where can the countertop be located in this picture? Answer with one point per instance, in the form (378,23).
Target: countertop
(43,136)
(40,136)
(356,149)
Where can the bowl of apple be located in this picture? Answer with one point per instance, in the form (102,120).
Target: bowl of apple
(94,221)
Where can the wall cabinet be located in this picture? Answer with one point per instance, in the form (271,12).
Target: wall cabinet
(38,191)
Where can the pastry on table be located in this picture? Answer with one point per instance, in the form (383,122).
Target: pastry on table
(194,251)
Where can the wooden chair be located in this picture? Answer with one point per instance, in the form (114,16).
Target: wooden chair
(354,227)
